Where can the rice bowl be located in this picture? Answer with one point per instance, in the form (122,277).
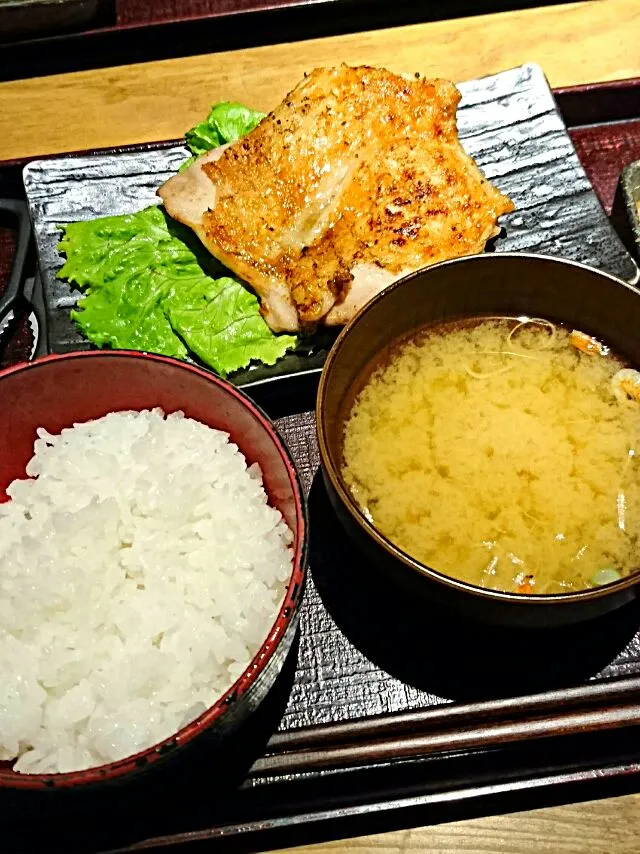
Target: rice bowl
(166,600)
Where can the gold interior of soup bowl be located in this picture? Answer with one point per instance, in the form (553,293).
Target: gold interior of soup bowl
(490,285)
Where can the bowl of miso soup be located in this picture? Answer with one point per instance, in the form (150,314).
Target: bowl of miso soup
(479,432)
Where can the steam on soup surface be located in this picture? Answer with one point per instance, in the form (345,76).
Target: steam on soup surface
(502,452)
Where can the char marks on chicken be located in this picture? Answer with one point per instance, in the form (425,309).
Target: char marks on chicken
(356,179)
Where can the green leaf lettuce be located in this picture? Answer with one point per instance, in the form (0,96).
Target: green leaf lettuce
(148,287)
(226,122)
(221,324)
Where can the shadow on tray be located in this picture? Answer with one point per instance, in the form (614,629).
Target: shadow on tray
(439,652)
(191,790)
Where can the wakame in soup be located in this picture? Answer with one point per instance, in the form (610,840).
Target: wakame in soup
(502,452)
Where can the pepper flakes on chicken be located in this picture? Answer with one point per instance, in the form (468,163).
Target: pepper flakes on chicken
(356,179)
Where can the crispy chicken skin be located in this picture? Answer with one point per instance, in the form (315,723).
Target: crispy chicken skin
(354,180)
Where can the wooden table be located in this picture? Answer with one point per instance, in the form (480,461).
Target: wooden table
(577,43)
(611,826)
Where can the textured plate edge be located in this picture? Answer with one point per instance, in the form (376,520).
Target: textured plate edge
(630,183)
(536,75)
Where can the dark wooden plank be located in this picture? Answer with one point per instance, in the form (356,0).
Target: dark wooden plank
(420,745)
(28,19)
(269,22)
(190,808)
(607,154)
(332,819)
(456,716)
(595,103)
(130,12)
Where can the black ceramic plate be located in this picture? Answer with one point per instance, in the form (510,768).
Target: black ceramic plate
(508,122)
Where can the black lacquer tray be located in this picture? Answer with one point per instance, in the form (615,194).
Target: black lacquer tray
(508,122)
(385,715)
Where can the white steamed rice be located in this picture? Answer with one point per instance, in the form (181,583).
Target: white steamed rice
(140,570)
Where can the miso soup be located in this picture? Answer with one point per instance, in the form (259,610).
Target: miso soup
(503,452)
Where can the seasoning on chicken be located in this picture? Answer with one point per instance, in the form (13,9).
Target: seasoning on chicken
(356,179)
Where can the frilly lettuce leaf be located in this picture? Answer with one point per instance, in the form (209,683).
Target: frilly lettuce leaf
(149,287)
(221,323)
(226,122)
(125,264)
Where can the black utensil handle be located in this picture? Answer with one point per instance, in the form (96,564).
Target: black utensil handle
(13,289)
(37,304)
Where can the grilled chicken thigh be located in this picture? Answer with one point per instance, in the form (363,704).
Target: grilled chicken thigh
(356,179)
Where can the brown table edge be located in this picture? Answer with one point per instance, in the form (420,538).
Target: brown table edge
(272,23)
(586,104)
(335,821)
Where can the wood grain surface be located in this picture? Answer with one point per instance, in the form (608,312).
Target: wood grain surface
(575,43)
(591,828)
